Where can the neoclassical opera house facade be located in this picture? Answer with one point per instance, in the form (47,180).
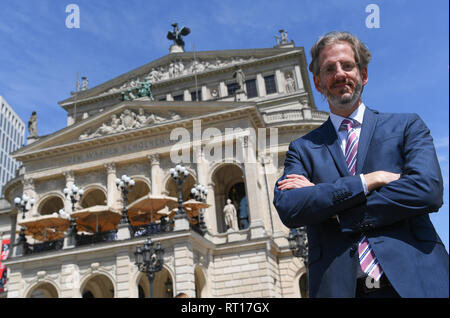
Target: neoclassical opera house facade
(229,131)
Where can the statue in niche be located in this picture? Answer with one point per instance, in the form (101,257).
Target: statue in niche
(230,214)
(290,83)
(32,125)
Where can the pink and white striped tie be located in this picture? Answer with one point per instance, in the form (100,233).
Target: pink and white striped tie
(367,259)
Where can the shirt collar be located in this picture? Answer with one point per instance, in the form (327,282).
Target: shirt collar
(357,115)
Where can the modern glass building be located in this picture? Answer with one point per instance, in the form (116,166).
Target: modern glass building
(12,137)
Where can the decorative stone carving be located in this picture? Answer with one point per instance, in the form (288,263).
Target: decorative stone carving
(177,68)
(154,159)
(126,121)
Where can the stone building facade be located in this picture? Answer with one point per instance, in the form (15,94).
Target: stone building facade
(231,138)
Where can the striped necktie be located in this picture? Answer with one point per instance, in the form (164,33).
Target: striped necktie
(367,259)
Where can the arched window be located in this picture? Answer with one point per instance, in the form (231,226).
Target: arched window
(93,197)
(172,187)
(50,205)
(139,190)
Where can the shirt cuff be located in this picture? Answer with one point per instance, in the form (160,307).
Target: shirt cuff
(364,184)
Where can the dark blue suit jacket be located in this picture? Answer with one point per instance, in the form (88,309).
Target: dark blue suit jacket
(394,217)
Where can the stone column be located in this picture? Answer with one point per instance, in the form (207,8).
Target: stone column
(202,178)
(205,93)
(155,173)
(261,85)
(253,188)
(279,78)
(184,268)
(269,173)
(211,213)
(223,91)
(298,76)
(15,283)
(113,195)
(70,281)
(187,95)
(123,274)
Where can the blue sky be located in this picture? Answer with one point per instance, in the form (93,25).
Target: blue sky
(40,56)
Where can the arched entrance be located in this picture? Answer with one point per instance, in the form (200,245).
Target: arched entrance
(229,184)
(303,286)
(43,290)
(98,286)
(162,285)
(200,283)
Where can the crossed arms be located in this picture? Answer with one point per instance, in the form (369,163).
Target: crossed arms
(391,198)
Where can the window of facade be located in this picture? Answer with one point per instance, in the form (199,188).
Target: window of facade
(178,97)
(250,85)
(232,87)
(271,87)
(194,96)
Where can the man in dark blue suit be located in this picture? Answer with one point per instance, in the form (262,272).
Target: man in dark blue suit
(363,183)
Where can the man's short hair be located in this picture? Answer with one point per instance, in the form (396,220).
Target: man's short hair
(362,53)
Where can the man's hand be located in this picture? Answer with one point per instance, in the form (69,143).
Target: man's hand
(294,181)
(377,179)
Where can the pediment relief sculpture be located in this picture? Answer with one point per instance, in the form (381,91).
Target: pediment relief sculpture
(126,121)
(179,68)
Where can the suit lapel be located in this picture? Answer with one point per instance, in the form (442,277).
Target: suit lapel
(330,139)
(367,129)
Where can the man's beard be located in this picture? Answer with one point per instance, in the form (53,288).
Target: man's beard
(343,102)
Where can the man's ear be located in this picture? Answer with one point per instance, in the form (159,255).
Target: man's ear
(317,85)
(364,76)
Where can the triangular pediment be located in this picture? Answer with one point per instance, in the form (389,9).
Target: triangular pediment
(128,118)
(180,66)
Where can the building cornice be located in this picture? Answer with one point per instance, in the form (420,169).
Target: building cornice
(99,90)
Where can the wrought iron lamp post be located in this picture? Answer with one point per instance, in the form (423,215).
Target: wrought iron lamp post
(125,184)
(149,260)
(298,243)
(200,192)
(179,175)
(75,194)
(21,204)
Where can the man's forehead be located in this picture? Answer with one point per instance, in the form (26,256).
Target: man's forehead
(335,52)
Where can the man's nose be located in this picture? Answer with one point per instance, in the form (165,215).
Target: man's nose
(340,73)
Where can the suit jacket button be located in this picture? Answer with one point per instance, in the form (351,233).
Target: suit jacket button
(352,250)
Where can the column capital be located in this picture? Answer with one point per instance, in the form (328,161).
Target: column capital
(154,159)
(110,167)
(28,183)
(69,175)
